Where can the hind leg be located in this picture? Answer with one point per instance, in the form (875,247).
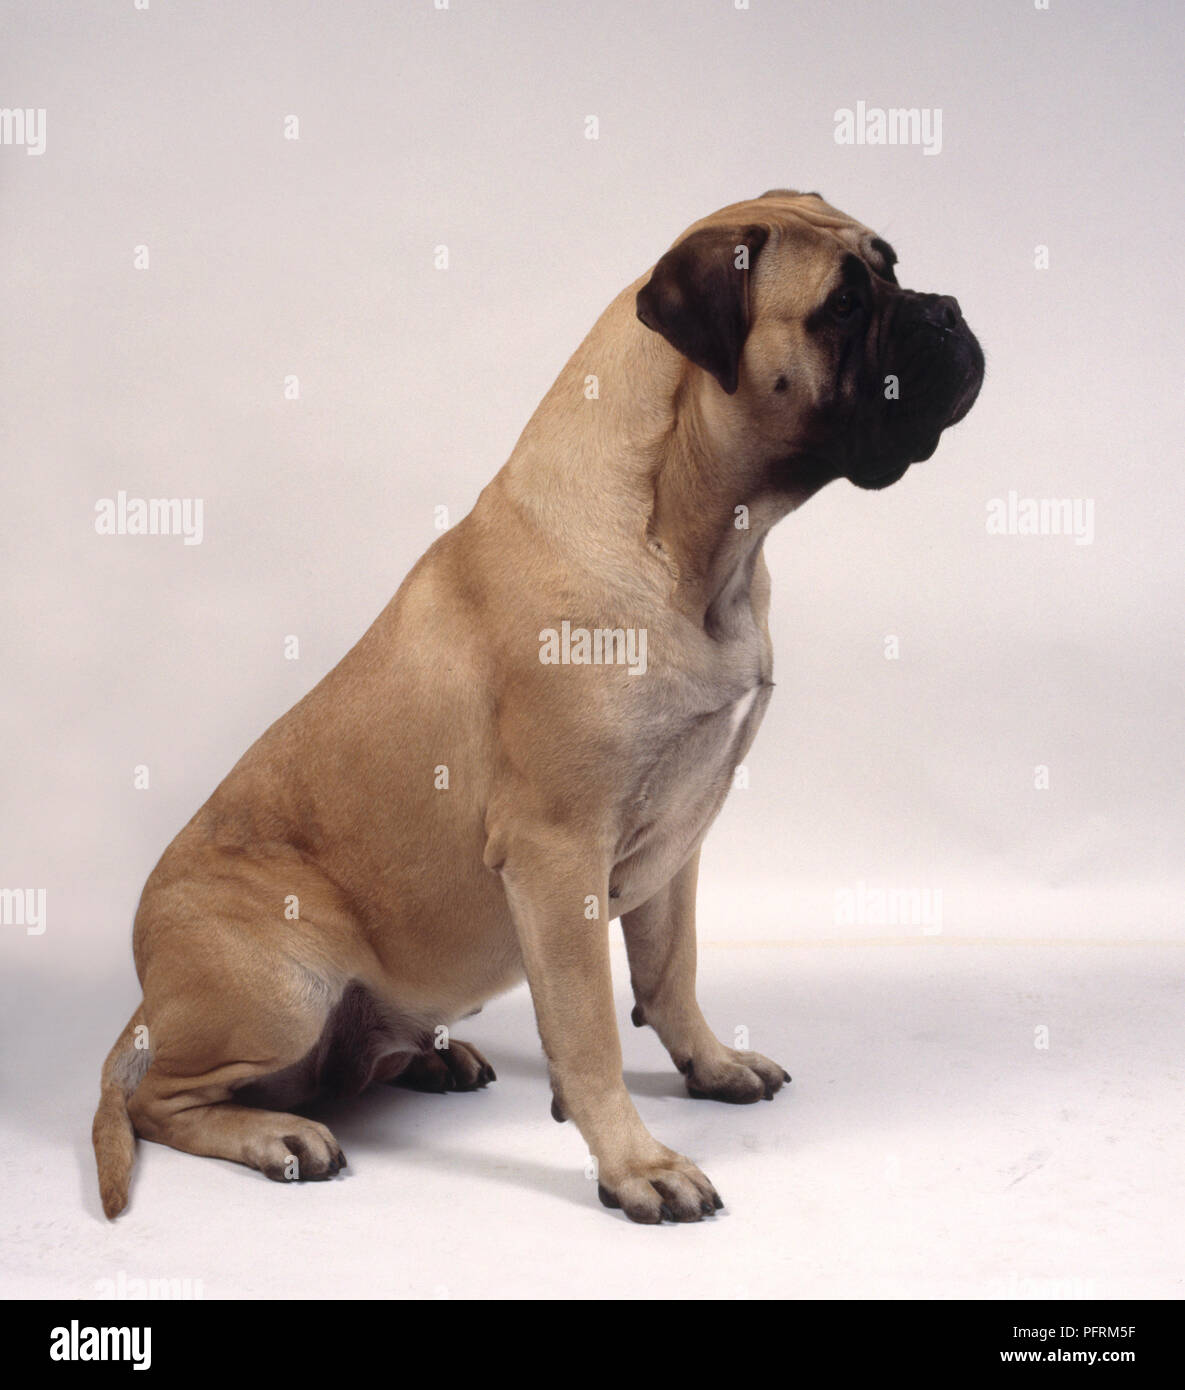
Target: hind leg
(285,1148)
(221,1020)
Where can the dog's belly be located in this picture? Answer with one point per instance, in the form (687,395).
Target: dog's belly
(679,795)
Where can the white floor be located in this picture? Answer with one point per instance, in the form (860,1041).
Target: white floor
(927,1148)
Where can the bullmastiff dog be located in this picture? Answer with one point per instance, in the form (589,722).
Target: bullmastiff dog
(536,733)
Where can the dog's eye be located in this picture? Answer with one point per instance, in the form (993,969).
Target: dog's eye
(844,303)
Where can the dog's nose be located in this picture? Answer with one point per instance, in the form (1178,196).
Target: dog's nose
(946,311)
(940,312)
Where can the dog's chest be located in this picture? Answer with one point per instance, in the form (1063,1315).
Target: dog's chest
(684,776)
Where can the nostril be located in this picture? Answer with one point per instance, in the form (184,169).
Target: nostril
(949,312)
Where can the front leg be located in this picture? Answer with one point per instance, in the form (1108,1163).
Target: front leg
(660,941)
(558,892)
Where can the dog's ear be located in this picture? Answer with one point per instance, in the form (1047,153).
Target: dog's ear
(698,297)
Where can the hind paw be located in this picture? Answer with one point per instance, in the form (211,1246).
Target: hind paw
(305,1152)
(458,1067)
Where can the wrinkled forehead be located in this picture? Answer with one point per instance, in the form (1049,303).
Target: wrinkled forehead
(809,243)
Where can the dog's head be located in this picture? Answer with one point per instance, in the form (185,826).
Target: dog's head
(815,351)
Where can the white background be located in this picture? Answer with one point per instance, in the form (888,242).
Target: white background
(927,1146)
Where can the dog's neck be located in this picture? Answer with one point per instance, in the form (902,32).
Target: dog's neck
(630,452)
(716,497)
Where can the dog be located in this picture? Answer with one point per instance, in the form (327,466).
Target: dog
(536,733)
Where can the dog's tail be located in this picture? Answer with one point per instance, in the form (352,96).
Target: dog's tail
(112,1133)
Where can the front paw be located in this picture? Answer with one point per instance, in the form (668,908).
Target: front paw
(740,1078)
(665,1187)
